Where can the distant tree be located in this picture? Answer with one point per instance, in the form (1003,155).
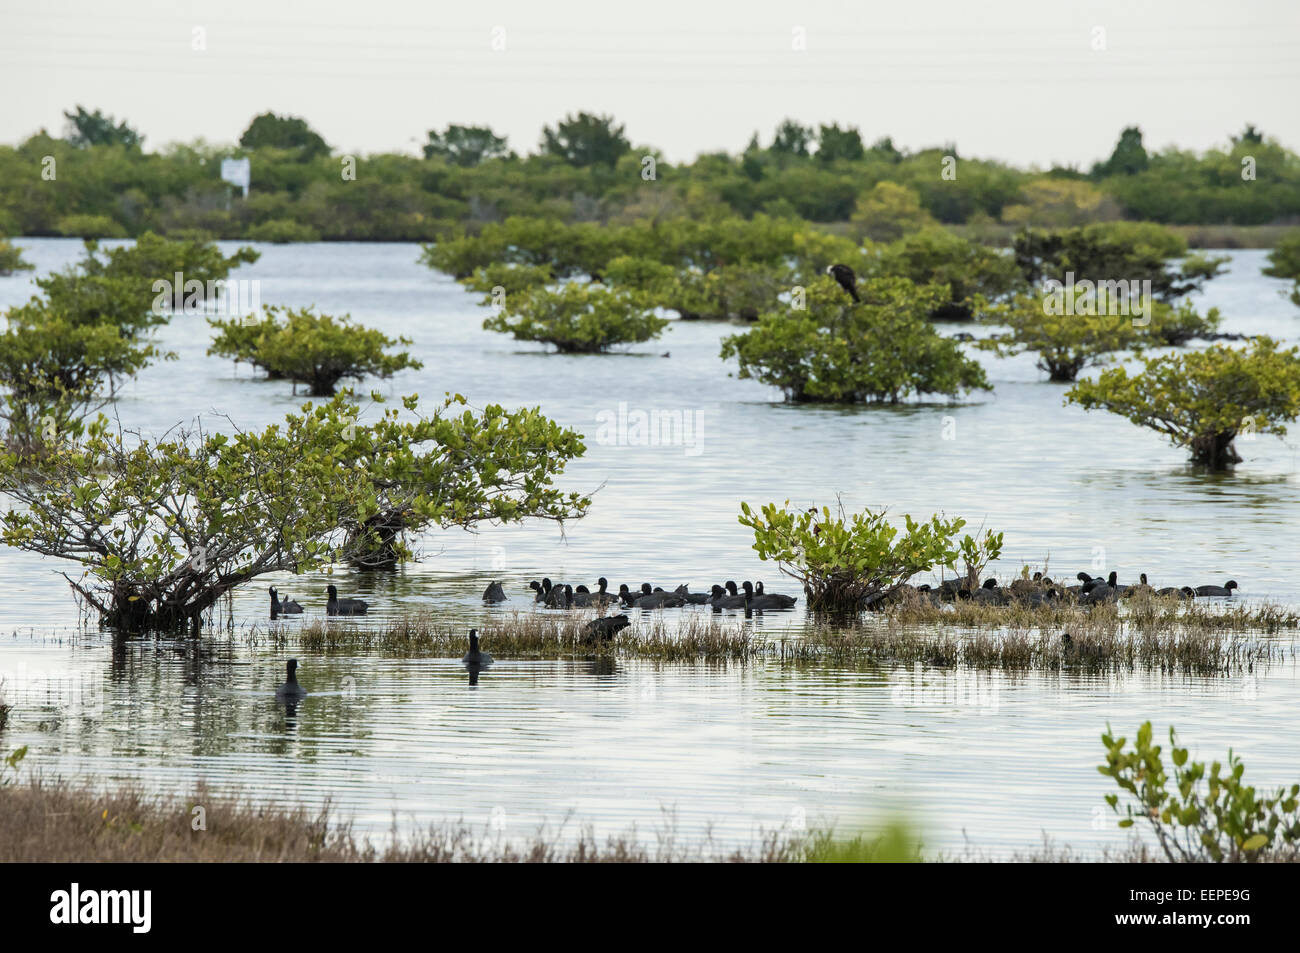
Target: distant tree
(792,139)
(465,145)
(836,143)
(284,132)
(889,211)
(1249,136)
(585,140)
(95,129)
(1129,157)
(884,148)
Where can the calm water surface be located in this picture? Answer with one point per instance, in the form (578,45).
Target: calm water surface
(727,748)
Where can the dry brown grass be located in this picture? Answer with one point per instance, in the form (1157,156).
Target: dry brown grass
(57,822)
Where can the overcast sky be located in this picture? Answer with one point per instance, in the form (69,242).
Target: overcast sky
(1006,79)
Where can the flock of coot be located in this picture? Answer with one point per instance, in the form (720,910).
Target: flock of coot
(1041,590)
(1035,591)
(725,596)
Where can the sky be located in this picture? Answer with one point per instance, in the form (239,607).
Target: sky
(1032,83)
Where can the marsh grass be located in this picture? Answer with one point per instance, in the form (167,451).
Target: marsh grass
(43,821)
(1150,634)
(58,822)
(527,635)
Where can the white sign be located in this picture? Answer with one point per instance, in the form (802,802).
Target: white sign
(236,172)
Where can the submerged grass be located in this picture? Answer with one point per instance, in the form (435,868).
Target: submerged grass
(1167,635)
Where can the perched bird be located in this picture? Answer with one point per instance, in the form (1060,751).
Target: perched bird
(1223,590)
(607,627)
(337,606)
(847,280)
(495,592)
(291,688)
(475,655)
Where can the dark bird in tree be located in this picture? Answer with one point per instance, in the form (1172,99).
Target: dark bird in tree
(847,279)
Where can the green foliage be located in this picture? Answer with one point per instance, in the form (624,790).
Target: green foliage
(64,352)
(87,129)
(155,262)
(792,139)
(11,259)
(577,318)
(585,140)
(89,226)
(511,279)
(586,174)
(269,131)
(889,211)
(1199,815)
(834,143)
(848,563)
(1060,203)
(1113,251)
(282,231)
(9,773)
(728,292)
(1284,262)
(318,350)
(164,528)
(1129,157)
(880,350)
(976,553)
(465,146)
(1202,400)
(1068,343)
(935,255)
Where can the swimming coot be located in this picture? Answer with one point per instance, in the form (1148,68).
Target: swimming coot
(475,655)
(291,688)
(1223,590)
(337,606)
(495,592)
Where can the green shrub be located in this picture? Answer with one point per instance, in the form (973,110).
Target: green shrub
(11,259)
(318,350)
(1202,400)
(511,279)
(160,263)
(880,350)
(1068,343)
(1199,815)
(846,564)
(1111,251)
(888,211)
(937,256)
(89,226)
(1284,262)
(282,231)
(578,318)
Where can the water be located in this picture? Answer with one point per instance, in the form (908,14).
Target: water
(731,748)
